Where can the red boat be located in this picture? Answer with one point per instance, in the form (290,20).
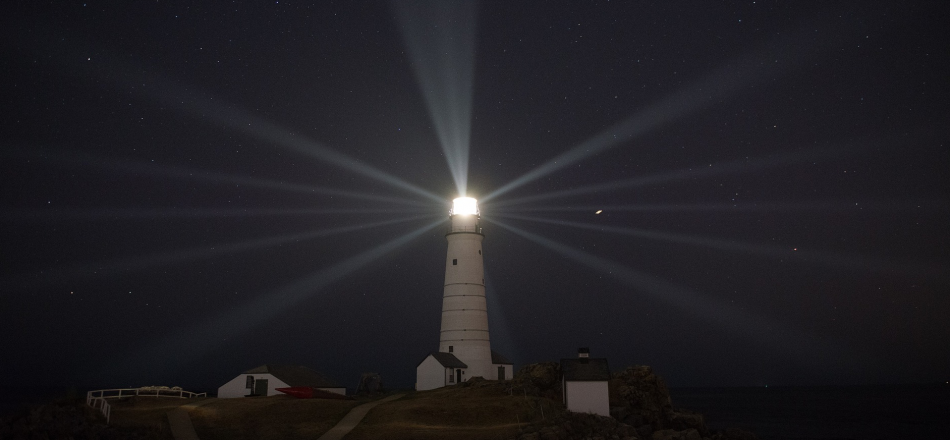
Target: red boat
(310,393)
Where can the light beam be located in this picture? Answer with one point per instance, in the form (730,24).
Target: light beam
(198,104)
(152,169)
(200,339)
(440,37)
(142,262)
(769,332)
(694,172)
(731,78)
(851,261)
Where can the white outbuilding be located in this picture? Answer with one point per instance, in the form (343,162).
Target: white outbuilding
(264,381)
(438,370)
(584,381)
(501,365)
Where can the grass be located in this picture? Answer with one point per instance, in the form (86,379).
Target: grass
(265,418)
(148,412)
(482,411)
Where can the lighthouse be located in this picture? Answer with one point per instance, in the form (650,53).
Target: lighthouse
(464,344)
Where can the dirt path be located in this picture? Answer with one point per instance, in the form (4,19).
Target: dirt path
(180,422)
(351,419)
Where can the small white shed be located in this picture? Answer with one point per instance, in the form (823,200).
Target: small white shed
(501,365)
(264,381)
(438,370)
(584,381)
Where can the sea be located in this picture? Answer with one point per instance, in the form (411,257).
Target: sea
(830,412)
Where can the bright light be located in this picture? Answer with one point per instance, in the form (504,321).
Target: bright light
(464,206)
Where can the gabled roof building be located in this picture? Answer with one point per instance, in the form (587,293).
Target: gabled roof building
(584,384)
(265,379)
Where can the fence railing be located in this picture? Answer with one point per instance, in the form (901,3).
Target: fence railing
(100,404)
(98,398)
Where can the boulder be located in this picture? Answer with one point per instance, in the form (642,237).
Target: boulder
(644,395)
(681,420)
(541,379)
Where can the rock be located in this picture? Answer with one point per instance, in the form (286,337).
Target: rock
(542,379)
(644,394)
(682,420)
(645,431)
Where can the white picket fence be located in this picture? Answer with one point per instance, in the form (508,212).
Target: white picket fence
(98,398)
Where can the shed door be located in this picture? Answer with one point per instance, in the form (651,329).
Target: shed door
(501,372)
(260,387)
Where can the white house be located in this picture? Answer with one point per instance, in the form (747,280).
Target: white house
(584,381)
(438,370)
(442,369)
(264,381)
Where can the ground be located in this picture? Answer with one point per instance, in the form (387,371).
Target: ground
(477,411)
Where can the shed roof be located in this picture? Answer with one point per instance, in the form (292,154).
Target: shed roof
(497,358)
(296,376)
(585,369)
(448,360)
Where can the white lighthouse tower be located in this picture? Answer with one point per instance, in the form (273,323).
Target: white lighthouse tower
(464,346)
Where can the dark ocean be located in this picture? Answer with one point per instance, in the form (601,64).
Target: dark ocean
(853,412)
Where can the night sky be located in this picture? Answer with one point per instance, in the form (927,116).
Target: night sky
(190,190)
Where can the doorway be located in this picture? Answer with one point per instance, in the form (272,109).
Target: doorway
(260,387)
(501,372)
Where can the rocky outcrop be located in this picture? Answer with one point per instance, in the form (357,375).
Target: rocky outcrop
(542,379)
(68,419)
(640,408)
(569,426)
(640,398)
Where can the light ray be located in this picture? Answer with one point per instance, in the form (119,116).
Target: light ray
(230,116)
(729,79)
(830,206)
(440,37)
(502,340)
(851,261)
(139,168)
(198,340)
(695,172)
(768,332)
(68,214)
(201,105)
(142,262)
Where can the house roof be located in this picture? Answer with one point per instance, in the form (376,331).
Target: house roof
(295,376)
(448,360)
(499,359)
(585,369)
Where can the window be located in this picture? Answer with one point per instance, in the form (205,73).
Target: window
(451,376)
(455,261)
(479,252)
(249,382)
(450,348)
